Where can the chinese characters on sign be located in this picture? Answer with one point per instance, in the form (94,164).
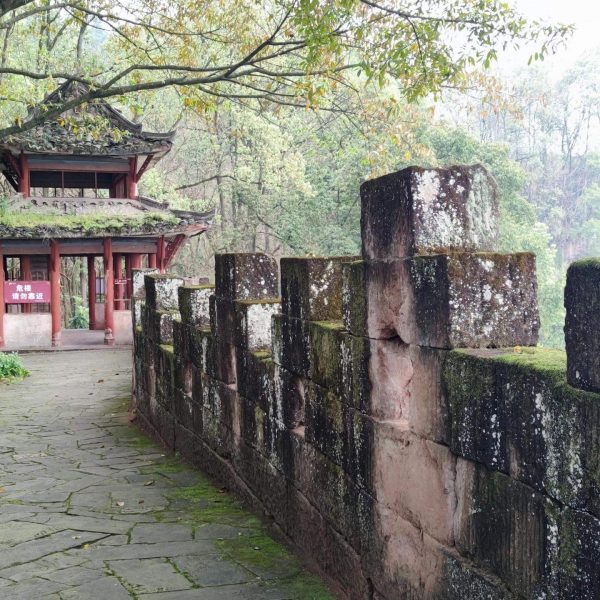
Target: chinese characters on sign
(26,292)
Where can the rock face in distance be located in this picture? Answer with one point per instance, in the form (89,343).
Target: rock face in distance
(418,210)
(582,324)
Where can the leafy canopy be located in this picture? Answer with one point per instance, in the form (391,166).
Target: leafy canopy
(290,52)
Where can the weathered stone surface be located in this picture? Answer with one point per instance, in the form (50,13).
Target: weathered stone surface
(582,328)
(326,357)
(289,397)
(461,580)
(291,344)
(420,210)
(376,376)
(181,339)
(506,527)
(342,503)
(246,277)
(427,409)
(162,291)
(311,288)
(253,323)
(340,432)
(224,319)
(376,295)
(138,282)
(194,304)
(516,413)
(421,489)
(473,301)
(202,348)
(445,300)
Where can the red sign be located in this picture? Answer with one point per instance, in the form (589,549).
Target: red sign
(27,292)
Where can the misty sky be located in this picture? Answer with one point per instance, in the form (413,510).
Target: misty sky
(585,14)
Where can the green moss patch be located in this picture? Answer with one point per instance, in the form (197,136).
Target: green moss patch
(36,225)
(272,562)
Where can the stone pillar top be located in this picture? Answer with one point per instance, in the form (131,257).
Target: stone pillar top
(423,211)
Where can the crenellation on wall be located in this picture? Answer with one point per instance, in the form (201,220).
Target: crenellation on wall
(391,414)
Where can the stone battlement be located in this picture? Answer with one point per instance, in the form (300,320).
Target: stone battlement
(391,412)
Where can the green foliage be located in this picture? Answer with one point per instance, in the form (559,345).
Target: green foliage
(80,318)
(40,225)
(11,367)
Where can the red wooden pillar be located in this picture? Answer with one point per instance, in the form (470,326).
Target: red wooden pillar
(109,296)
(55,291)
(91,268)
(161,255)
(2,306)
(26,276)
(152,261)
(132,187)
(24,180)
(118,276)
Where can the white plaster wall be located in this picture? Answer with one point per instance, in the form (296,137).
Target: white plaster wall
(123,327)
(29,330)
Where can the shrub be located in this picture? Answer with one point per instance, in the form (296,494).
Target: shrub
(80,318)
(11,367)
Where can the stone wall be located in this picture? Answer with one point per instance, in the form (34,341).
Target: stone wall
(390,413)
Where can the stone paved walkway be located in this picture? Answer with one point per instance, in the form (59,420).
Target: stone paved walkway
(91,509)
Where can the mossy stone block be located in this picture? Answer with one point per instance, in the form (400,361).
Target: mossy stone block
(253,323)
(341,433)
(420,210)
(506,528)
(246,276)
(291,344)
(138,281)
(162,291)
(256,378)
(289,397)
(582,325)
(202,348)
(515,412)
(183,409)
(479,418)
(471,300)
(326,358)
(181,339)
(194,304)
(225,321)
(165,376)
(375,295)
(311,288)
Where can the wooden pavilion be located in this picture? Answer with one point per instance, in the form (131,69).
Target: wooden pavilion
(75,193)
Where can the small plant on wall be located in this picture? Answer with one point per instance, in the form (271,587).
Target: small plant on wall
(11,368)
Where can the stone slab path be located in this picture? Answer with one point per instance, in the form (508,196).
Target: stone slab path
(91,509)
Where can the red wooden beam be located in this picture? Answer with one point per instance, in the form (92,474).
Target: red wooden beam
(109,294)
(172,248)
(55,291)
(10,180)
(143,168)
(14,165)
